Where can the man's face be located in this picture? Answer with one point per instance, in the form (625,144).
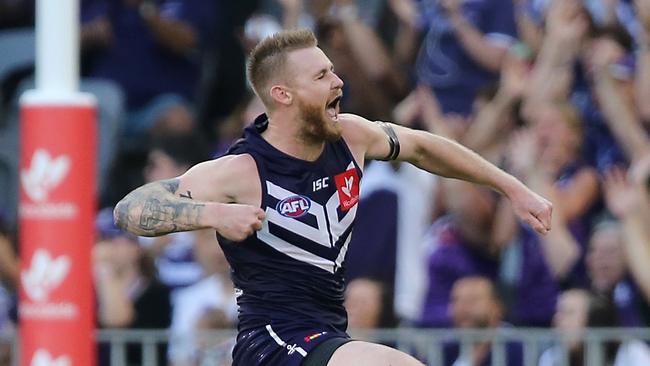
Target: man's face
(571,314)
(317,91)
(363,302)
(605,260)
(571,311)
(472,304)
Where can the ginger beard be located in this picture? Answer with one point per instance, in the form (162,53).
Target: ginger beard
(318,124)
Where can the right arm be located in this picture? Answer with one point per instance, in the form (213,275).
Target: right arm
(155,209)
(209,195)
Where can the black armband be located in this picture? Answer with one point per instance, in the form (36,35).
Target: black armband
(393,141)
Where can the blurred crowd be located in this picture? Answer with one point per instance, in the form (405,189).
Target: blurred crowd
(556,92)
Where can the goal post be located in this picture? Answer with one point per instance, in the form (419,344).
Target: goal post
(57,198)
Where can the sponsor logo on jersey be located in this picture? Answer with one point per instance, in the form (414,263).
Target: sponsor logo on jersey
(294,206)
(347,186)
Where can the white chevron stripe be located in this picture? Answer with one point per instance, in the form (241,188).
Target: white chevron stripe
(293,251)
(344,250)
(337,228)
(320,235)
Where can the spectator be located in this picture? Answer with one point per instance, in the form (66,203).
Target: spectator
(153,50)
(129,295)
(578,309)
(463,48)
(496,111)
(205,305)
(394,213)
(462,244)
(629,200)
(643,60)
(608,273)
(475,304)
(547,157)
(369,304)
(459,245)
(174,254)
(613,87)
(9,273)
(373,82)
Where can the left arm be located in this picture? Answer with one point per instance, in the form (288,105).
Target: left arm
(447,158)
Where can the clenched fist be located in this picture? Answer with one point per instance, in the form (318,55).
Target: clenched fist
(532,209)
(237,222)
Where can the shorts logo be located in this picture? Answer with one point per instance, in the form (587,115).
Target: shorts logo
(293,206)
(347,186)
(314,336)
(291,348)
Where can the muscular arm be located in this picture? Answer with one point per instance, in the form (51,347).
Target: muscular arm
(449,159)
(209,195)
(155,209)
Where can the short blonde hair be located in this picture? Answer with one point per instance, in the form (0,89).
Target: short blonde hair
(269,56)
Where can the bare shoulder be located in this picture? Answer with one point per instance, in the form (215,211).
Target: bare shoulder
(234,166)
(232,178)
(365,138)
(354,126)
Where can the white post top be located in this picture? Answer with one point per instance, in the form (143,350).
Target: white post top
(57,46)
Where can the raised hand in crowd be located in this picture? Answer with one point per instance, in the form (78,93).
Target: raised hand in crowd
(495,117)
(629,201)
(566,27)
(642,8)
(616,105)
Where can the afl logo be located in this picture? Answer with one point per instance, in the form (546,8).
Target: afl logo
(293,206)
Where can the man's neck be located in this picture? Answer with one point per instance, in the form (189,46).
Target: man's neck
(284,133)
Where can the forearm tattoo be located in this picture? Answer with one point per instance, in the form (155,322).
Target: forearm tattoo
(155,209)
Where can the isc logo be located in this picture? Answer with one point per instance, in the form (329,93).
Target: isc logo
(293,206)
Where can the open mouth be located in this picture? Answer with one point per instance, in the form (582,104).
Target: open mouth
(333,108)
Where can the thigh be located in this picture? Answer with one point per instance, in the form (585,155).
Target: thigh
(360,353)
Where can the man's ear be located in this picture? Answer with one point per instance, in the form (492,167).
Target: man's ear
(281,95)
